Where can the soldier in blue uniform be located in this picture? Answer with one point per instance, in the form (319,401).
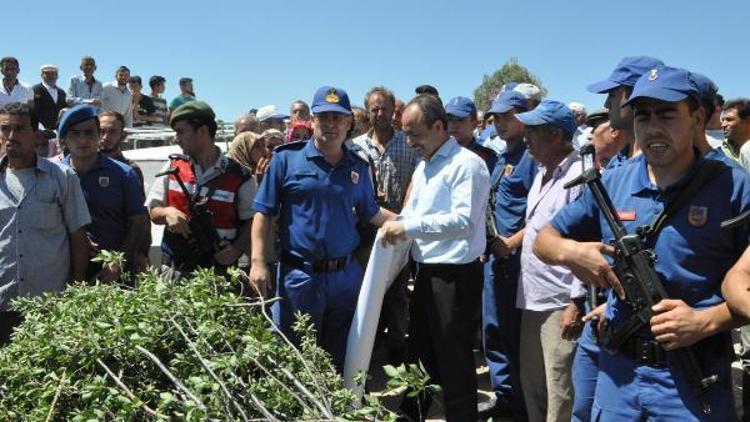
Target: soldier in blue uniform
(618,87)
(693,256)
(319,189)
(510,182)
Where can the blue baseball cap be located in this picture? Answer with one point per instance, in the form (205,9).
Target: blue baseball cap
(74,115)
(550,112)
(329,99)
(506,101)
(665,83)
(461,107)
(626,73)
(707,89)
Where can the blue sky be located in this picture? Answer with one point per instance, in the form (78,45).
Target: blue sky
(244,54)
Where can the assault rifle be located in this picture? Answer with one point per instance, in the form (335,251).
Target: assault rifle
(634,267)
(204,241)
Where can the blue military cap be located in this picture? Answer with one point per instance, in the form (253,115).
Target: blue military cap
(707,89)
(665,83)
(626,73)
(74,115)
(550,112)
(332,100)
(461,107)
(507,100)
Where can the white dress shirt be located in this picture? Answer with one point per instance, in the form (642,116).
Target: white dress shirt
(545,287)
(19,93)
(445,213)
(52,90)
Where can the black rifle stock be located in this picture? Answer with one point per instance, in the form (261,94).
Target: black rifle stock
(634,267)
(204,241)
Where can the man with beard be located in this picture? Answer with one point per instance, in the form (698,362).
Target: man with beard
(116,95)
(48,98)
(187,94)
(13,90)
(111,136)
(393,162)
(43,212)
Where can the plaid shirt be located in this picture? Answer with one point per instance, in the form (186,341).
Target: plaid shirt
(393,168)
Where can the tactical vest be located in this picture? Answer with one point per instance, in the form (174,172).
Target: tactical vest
(223,191)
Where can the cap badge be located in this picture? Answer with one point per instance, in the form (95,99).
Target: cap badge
(652,75)
(332,97)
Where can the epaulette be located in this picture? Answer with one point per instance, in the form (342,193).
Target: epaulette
(296,145)
(177,156)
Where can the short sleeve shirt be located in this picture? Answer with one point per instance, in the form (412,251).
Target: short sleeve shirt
(114,194)
(511,180)
(318,204)
(34,230)
(19,93)
(693,253)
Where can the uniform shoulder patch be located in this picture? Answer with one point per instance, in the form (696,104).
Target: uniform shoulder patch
(291,146)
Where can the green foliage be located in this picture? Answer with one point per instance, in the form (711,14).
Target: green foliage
(192,350)
(511,71)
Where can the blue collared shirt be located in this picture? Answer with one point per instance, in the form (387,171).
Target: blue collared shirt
(512,178)
(113,193)
(693,253)
(80,92)
(34,231)
(318,204)
(445,211)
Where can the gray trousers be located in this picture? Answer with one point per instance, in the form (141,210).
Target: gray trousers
(546,363)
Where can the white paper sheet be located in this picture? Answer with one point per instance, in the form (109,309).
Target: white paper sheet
(385,263)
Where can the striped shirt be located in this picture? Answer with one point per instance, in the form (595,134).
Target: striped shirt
(393,168)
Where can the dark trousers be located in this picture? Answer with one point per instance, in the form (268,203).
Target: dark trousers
(9,320)
(501,329)
(445,311)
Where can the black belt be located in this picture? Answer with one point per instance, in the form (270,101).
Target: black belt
(645,351)
(323,266)
(650,352)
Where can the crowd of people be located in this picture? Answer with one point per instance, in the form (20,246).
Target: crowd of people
(504,243)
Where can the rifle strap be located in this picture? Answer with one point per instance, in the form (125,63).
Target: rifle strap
(709,170)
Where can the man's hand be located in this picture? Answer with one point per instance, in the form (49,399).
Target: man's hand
(588,264)
(228,255)
(177,222)
(109,273)
(97,102)
(260,278)
(570,323)
(597,315)
(677,324)
(392,232)
(500,247)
